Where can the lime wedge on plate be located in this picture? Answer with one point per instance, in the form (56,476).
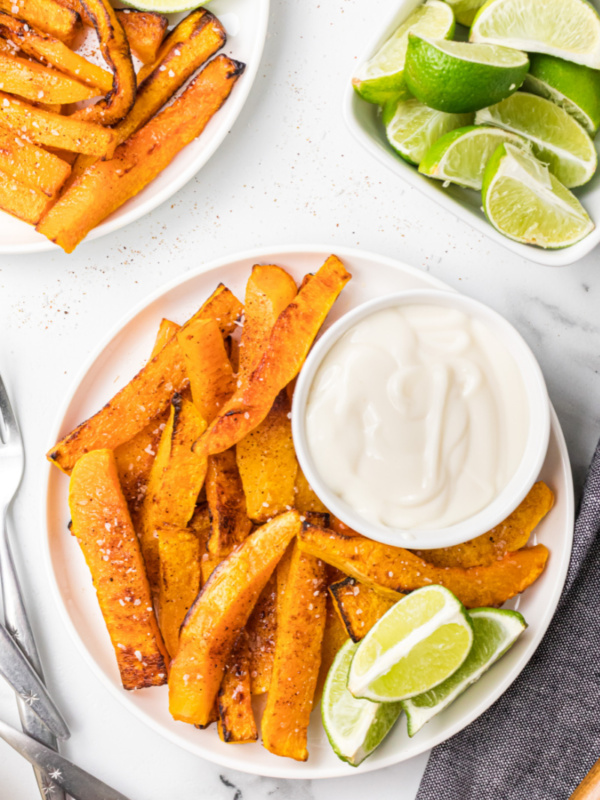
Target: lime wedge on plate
(496,630)
(524,201)
(382,77)
(412,127)
(465,10)
(461,155)
(569,29)
(458,77)
(416,645)
(571,86)
(557,138)
(354,727)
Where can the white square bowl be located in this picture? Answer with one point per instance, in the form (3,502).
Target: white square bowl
(363,120)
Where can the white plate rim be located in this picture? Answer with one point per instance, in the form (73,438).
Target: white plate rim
(279,770)
(433,188)
(227,118)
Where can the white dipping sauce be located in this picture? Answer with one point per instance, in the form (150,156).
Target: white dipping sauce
(417,417)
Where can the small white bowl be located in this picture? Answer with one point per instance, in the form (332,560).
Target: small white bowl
(534,451)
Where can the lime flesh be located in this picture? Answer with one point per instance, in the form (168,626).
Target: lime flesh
(526,202)
(571,86)
(458,77)
(462,155)
(416,645)
(465,10)
(556,137)
(354,727)
(496,630)
(382,77)
(569,29)
(412,127)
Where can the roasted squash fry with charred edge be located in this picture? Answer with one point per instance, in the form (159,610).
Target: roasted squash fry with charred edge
(227,504)
(384,567)
(145,31)
(508,536)
(45,127)
(219,614)
(300,627)
(261,630)
(43,46)
(151,390)
(236,718)
(35,82)
(115,50)
(179,556)
(101,523)
(358,606)
(47,16)
(106,185)
(289,343)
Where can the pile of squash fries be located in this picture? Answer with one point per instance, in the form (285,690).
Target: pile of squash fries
(217,569)
(77,140)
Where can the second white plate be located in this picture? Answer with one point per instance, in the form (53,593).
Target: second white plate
(120,356)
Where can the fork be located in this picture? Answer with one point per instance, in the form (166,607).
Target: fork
(11,471)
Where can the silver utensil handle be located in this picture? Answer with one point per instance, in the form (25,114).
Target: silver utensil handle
(75,781)
(18,625)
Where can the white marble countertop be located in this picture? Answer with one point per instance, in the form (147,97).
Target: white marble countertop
(288,173)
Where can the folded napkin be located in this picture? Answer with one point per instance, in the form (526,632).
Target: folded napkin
(538,741)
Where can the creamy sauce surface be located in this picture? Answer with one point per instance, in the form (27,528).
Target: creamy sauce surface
(417,417)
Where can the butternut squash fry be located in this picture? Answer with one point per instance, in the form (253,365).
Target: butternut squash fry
(220,612)
(200,525)
(306,500)
(386,568)
(145,31)
(174,483)
(227,505)
(106,185)
(146,396)
(47,16)
(20,200)
(44,47)
(261,630)
(188,46)
(267,462)
(358,606)
(207,366)
(115,50)
(45,127)
(31,165)
(507,537)
(289,343)
(37,83)
(179,558)
(300,627)
(166,331)
(101,523)
(268,291)
(236,718)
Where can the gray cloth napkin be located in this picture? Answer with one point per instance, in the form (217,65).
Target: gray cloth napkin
(538,741)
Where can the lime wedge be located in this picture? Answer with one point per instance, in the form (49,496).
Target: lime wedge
(165,6)
(571,86)
(496,630)
(569,29)
(465,10)
(557,138)
(354,727)
(459,77)
(382,77)
(412,127)
(461,155)
(526,202)
(416,645)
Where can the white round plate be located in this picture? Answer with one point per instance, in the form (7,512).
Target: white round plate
(246,26)
(120,356)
